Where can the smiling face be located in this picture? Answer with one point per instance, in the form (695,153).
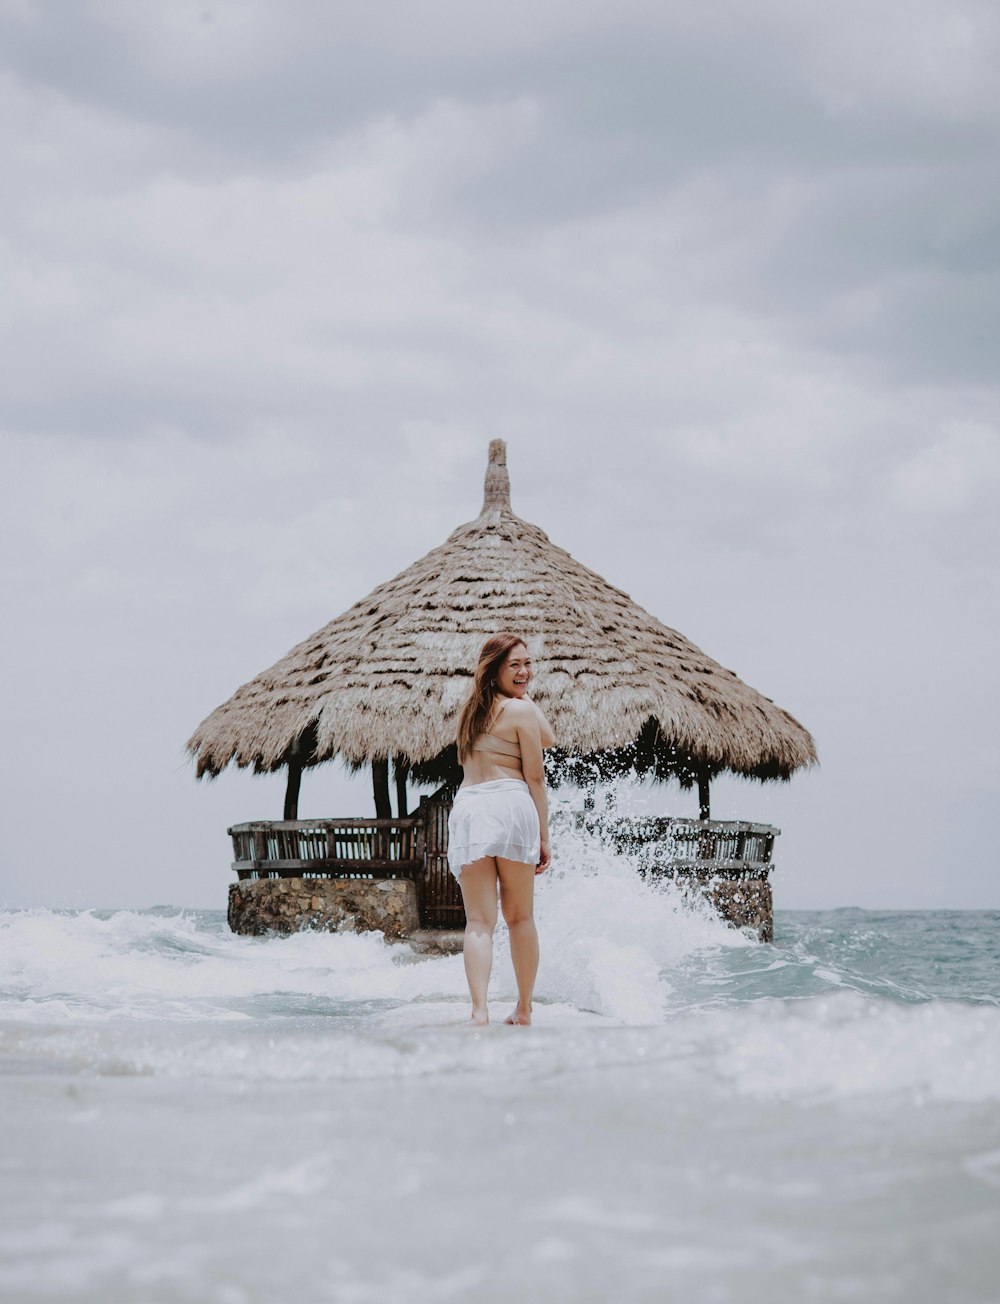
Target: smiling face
(515,673)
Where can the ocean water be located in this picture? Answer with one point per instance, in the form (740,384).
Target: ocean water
(194,1116)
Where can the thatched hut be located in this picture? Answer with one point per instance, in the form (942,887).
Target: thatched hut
(383,683)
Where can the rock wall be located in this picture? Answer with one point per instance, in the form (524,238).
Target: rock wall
(389,906)
(336,905)
(745,903)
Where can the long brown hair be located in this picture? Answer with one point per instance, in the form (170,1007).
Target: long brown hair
(478,710)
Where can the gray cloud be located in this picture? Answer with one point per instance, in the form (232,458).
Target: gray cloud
(835,189)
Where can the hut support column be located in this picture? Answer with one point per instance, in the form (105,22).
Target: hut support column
(704,804)
(292,790)
(380,784)
(401,769)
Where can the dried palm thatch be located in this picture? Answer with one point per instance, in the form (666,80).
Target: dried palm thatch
(388,677)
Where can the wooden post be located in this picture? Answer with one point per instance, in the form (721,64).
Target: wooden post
(292,789)
(380,783)
(704,804)
(401,769)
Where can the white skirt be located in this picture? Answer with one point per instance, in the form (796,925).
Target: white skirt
(493,819)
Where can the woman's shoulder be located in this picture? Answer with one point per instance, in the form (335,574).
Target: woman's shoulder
(520,709)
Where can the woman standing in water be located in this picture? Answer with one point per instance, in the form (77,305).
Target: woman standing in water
(498,830)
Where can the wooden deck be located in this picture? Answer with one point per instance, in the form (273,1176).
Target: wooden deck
(417,848)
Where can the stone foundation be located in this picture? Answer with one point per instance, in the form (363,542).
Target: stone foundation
(335,905)
(741,902)
(744,903)
(339,905)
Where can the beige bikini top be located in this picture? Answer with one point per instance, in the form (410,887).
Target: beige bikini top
(497,746)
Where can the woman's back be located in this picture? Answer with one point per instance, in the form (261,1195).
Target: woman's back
(494,756)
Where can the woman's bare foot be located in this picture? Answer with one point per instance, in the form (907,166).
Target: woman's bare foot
(520,1017)
(480,1017)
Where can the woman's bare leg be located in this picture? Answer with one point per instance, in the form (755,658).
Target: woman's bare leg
(479,894)
(517,900)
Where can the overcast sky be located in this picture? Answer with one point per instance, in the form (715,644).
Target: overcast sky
(724,276)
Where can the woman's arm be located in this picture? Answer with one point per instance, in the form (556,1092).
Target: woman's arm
(524,718)
(544,728)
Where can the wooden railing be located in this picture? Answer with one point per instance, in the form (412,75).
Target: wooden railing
(328,848)
(670,847)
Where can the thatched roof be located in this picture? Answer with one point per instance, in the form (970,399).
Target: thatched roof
(388,677)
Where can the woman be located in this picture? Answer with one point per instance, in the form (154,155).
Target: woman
(498,830)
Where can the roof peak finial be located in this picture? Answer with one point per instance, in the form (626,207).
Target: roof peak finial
(496,490)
